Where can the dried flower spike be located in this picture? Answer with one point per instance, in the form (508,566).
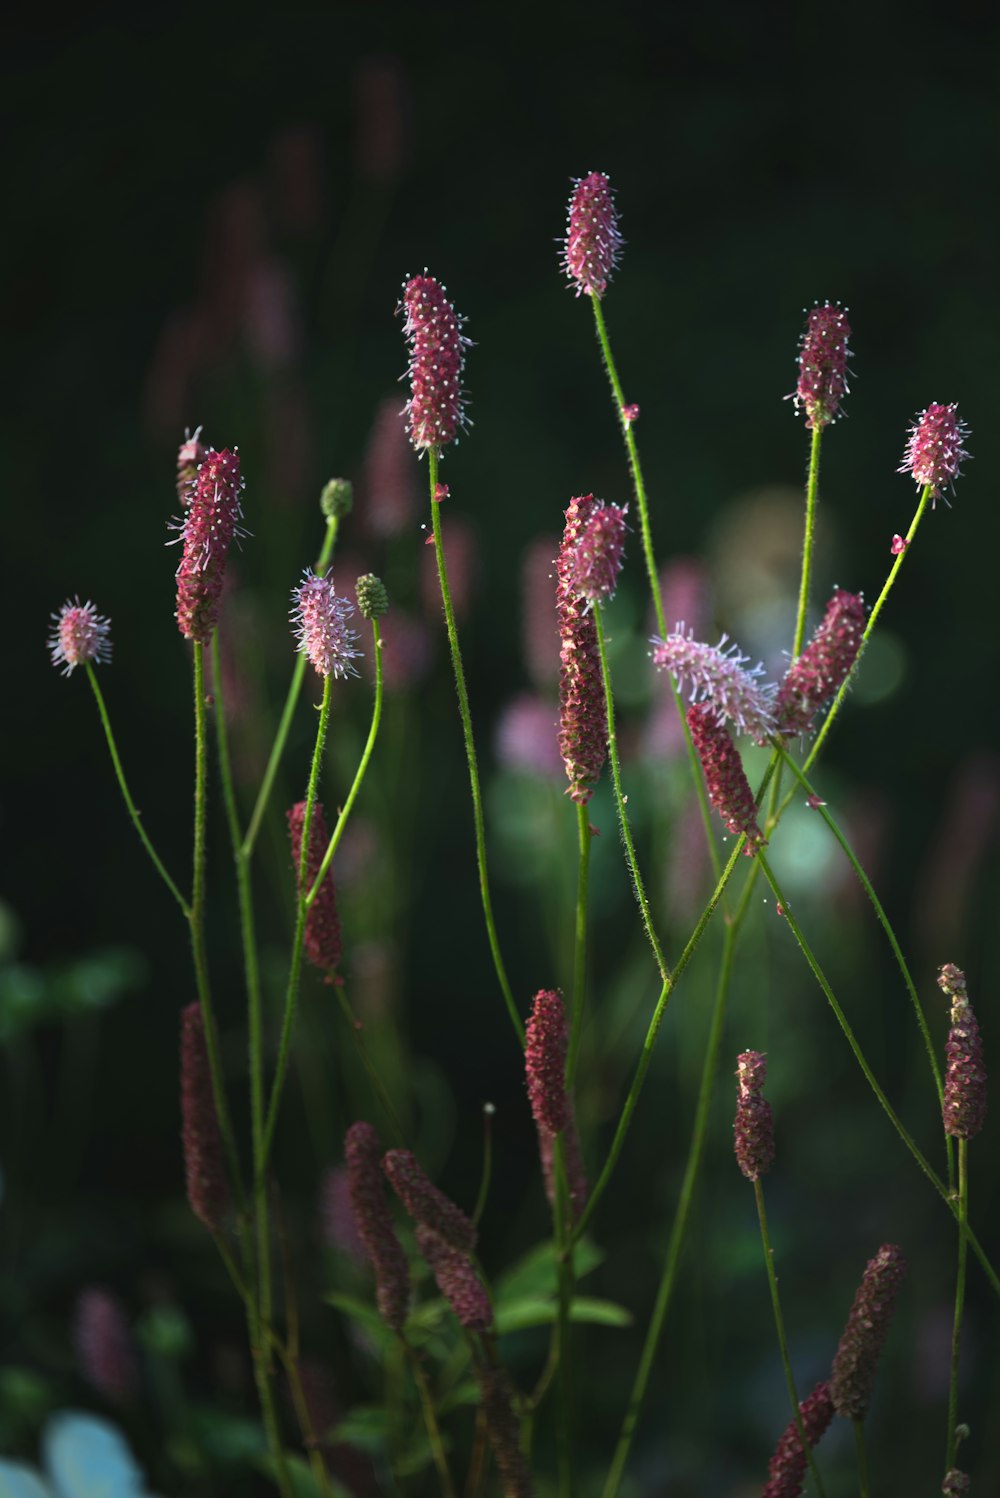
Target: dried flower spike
(593,243)
(753,1127)
(457,1280)
(864,1335)
(323,945)
(435,411)
(719,678)
(597,558)
(964,1107)
(546,1039)
(374,1222)
(823,356)
(212,520)
(725,779)
(823,667)
(934,449)
(786,1470)
(104,1344)
(425,1203)
(204,1161)
(79,634)
(320,619)
(583,718)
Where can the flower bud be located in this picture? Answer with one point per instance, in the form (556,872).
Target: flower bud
(104,1344)
(337,499)
(504,1430)
(596,560)
(373,600)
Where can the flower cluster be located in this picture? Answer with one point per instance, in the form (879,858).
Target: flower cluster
(753,1126)
(823,356)
(725,779)
(323,945)
(934,450)
(964,1106)
(79,634)
(825,664)
(719,677)
(201,1137)
(457,1280)
(593,567)
(582,715)
(787,1468)
(320,618)
(362,1150)
(425,1203)
(207,530)
(864,1335)
(545,1061)
(435,411)
(593,243)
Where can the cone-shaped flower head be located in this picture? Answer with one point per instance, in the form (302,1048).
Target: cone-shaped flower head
(934,450)
(104,1344)
(79,634)
(371,1213)
(204,1159)
(753,1127)
(190,456)
(373,600)
(435,411)
(596,561)
(823,666)
(593,243)
(583,722)
(823,356)
(212,520)
(323,945)
(964,1107)
(786,1470)
(425,1203)
(504,1430)
(719,677)
(546,1040)
(457,1280)
(337,499)
(864,1335)
(725,779)
(320,619)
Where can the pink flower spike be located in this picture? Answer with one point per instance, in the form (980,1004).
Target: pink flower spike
(212,520)
(787,1468)
(823,356)
(593,243)
(374,1224)
(457,1280)
(435,411)
(596,559)
(719,678)
(546,1039)
(899,544)
(426,1203)
(964,1108)
(753,1126)
(725,778)
(934,450)
(323,945)
(583,719)
(320,618)
(79,634)
(860,1347)
(201,1138)
(825,664)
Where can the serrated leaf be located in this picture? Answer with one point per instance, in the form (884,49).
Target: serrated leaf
(536,1276)
(517,1316)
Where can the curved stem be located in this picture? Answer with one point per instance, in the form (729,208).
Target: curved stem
(808,542)
(579,943)
(133,810)
(484,1181)
(956,1333)
(470,751)
(564,1370)
(859,1446)
(430,1418)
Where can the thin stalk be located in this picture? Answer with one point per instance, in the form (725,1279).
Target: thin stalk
(623,822)
(470,751)
(430,1419)
(564,1368)
(487,1172)
(579,942)
(864,1488)
(288,712)
(956,1333)
(133,810)
(808,542)
(779,1326)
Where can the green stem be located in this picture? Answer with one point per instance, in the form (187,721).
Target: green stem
(430,1419)
(288,712)
(564,1387)
(484,1180)
(623,822)
(779,1325)
(808,541)
(579,942)
(859,1446)
(956,1334)
(133,810)
(470,750)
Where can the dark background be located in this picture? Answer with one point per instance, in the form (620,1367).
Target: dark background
(171,181)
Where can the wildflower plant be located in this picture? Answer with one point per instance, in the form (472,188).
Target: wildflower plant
(432,1313)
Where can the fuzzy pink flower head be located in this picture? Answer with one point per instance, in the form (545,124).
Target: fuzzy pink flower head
(593,242)
(964,1105)
(323,944)
(825,664)
(597,557)
(718,677)
(457,1280)
(934,449)
(857,1355)
(425,1203)
(79,634)
(212,520)
(823,356)
(753,1127)
(725,778)
(362,1149)
(583,720)
(204,1159)
(320,618)
(104,1344)
(786,1470)
(435,411)
(546,1040)
(190,456)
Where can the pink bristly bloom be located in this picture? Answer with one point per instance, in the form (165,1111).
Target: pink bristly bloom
(201,1137)
(753,1127)
(964,1107)
(825,664)
(719,679)
(190,456)
(786,1470)
(104,1344)
(457,1280)
(504,1430)
(593,243)
(212,520)
(323,945)
(725,779)
(583,721)
(864,1335)
(425,1203)
(435,411)
(374,1221)
(934,449)
(823,356)
(320,620)
(79,634)
(597,557)
(576,1178)
(546,1040)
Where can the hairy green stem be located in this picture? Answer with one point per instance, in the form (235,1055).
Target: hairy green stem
(956,1331)
(564,1369)
(808,541)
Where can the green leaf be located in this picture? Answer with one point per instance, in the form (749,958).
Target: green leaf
(363,1313)
(536,1276)
(367,1426)
(516,1316)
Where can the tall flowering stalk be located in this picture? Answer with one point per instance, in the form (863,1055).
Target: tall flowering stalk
(211,521)
(582,719)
